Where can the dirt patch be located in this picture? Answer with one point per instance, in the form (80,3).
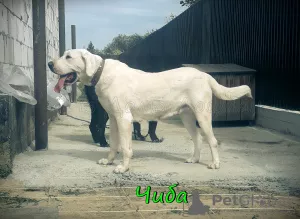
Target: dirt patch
(122,202)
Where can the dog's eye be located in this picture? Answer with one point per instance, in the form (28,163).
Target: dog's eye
(68,57)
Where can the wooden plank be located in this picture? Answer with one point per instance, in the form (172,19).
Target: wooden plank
(219,106)
(233,107)
(247,104)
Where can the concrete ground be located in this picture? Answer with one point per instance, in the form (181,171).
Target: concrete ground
(66,180)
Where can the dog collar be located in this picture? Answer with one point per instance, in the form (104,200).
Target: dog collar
(98,73)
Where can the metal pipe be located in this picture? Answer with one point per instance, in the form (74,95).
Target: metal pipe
(74,86)
(40,74)
(62,38)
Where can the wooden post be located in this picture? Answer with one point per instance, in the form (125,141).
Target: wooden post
(62,38)
(40,75)
(74,86)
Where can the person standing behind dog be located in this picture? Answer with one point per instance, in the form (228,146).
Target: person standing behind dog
(99,117)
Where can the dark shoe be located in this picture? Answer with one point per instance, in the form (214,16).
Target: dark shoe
(137,132)
(138,136)
(155,139)
(95,134)
(104,145)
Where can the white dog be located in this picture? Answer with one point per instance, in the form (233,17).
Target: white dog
(129,95)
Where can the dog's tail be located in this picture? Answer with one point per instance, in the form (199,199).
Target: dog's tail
(228,93)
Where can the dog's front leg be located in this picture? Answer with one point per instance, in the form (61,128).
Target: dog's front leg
(113,141)
(124,132)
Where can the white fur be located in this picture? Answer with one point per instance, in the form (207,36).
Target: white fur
(129,95)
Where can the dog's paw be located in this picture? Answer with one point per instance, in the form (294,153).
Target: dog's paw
(214,165)
(192,160)
(104,161)
(120,169)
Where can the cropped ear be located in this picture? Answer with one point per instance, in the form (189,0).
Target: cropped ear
(92,63)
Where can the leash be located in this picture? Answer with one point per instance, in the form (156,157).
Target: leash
(83,120)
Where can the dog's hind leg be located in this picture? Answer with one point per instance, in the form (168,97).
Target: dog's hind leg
(113,141)
(205,121)
(188,119)
(125,141)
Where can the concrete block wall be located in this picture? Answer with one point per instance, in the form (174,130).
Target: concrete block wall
(281,120)
(16,48)
(16,38)
(52,32)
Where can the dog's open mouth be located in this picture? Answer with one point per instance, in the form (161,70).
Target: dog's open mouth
(66,79)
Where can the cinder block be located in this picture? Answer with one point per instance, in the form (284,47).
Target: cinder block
(24,56)
(17,8)
(2,59)
(47,34)
(3,19)
(8,50)
(20,8)
(25,35)
(8,4)
(49,48)
(29,73)
(30,57)
(12,25)
(30,37)
(28,20)
(54,4)
(17,53)
(20,30)
(47,20)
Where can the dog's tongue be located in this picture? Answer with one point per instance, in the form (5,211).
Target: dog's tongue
(60,84)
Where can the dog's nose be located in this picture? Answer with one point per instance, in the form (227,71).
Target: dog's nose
(50,65)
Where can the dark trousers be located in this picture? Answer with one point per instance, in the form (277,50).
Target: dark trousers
(99,116)
(151,131)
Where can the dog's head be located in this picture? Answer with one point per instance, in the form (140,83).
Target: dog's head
(74,64)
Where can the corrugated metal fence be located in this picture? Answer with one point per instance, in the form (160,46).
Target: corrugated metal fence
(259,34)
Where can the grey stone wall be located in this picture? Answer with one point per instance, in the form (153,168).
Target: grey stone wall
(16,48)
